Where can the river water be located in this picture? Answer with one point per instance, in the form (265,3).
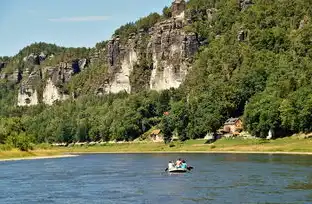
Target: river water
(140,178)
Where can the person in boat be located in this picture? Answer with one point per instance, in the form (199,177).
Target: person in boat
(183,165)
(178,163)
(170,165)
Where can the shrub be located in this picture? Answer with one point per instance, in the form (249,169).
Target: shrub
(23,142)
(5,147)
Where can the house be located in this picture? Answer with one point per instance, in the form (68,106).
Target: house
(174,138)
(156,136)
(233,126)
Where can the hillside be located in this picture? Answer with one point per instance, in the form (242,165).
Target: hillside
(202,62)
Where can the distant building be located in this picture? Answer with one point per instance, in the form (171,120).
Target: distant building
(156,136)
(233,126)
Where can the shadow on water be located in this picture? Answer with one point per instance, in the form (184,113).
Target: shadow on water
(305,185)
(300,186)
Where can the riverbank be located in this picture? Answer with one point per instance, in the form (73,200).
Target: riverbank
(15,154)
(291,145)
(38,157)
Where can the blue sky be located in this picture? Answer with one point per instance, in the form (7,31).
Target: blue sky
(67,23)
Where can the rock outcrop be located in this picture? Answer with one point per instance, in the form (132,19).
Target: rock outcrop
(167,49)
(52,78)
(121,60)
(16,77)
(304,22)
(242,35)
(178,7)
(51,93)
(171,50)
(244,4)
(59,75)
(27,96)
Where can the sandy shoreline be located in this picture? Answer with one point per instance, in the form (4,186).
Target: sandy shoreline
(39,157)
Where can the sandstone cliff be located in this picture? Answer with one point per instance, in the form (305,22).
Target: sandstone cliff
(45,83)
(155,59)
(166,50)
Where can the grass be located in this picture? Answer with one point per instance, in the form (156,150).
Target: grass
(284,145)
(248,145)
(15,153)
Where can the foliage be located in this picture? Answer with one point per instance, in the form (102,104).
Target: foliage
(88,81)
(13,134)
(141,25)
(4,59)
(268,71)
(140,76)
(68,55)
(101,45)
(167,12)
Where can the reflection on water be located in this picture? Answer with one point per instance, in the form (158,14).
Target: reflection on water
(305,185)
(140,178)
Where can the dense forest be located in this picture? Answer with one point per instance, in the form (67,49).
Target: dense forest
(257,65)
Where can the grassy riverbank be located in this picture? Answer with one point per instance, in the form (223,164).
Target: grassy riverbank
(248,145)
(15,153)
(285,145)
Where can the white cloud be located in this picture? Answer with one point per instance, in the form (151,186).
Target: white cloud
(80,19)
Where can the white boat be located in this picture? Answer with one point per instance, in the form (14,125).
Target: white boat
(181,167)
(178,170)
(174,169)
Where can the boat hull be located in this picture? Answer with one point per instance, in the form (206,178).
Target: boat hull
(177,170)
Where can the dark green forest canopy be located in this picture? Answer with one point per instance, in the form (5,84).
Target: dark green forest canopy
(257,65)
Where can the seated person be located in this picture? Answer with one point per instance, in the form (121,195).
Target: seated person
(170,165)
(183,165)
(178,163)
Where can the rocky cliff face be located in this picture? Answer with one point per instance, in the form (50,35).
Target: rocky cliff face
(51,93)
(44,83)
(156,59)
(28,93)
(167,48)
(171,50)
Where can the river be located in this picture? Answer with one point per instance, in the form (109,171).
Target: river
(140,178)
